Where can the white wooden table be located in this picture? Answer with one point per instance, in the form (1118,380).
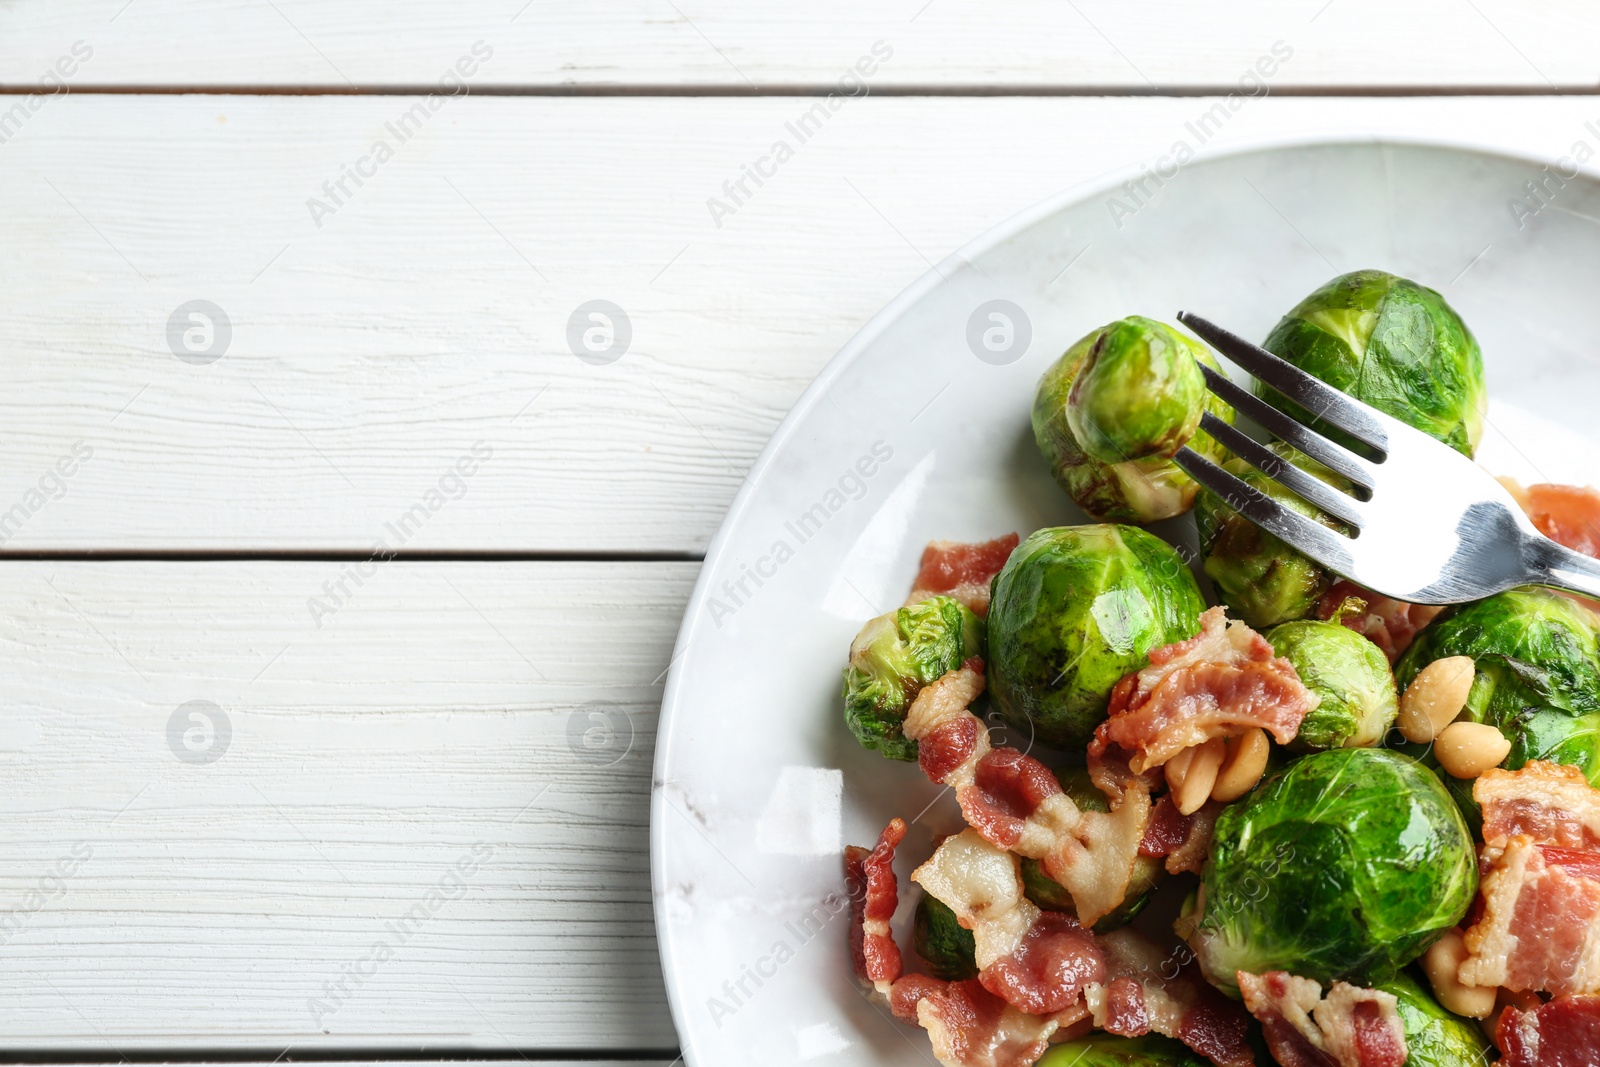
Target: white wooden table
(421,564)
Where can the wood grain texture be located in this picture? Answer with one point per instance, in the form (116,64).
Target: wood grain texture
(429,312)
(1030,45)
(483,731)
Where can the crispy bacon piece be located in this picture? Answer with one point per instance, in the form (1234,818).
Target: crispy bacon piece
(962,571)
(1014,801)
(1553,803)
(1567,514)
(874,895)
(1563,1033)
(1147,991)
(1050,967)
(1388,623)
(1185,840)
(1539,927)
(1222,682)
(1351,1027)
(969,1026)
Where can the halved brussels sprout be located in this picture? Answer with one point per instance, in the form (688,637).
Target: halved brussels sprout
(893,657)
(1105,1050)
(1110,414)
(1074,609)
(1392,343)
(1348,673)
(1039,887)
(944,944)
(1345,864)
(1434,1036)
(1262,580)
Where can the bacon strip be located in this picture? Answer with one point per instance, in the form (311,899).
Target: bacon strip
(1563,1033)
(1147,991)
(970,1027)
(1222,682)
(962,571)
(1388,623)
(1015,802)
(1552,803)
(874,895)
(1351,1027)
(1540,924)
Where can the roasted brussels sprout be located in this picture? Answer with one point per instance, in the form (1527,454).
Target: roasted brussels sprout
(1345,864)
(944,944)
(1046,892)
(1434,1036)
(1110,414)
(1348,673)
(1262,580)
(893,657)
(1537,680)
(1391,343)
(1074,609)
(1105,1050)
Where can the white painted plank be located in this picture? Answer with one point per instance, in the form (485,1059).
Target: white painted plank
(429,313)
(445,730)
(1018,44)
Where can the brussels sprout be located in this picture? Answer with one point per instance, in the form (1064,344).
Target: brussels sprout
(944,944)
(1348,673)
(1046,892)
(1391,343)
(1110,414)
(893,657)
(1262,580)
(1537,660)
(1435,1037)
(1074,609)
(1105,1050)
(1345,864)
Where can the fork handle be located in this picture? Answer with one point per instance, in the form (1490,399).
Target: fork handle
(1558,566)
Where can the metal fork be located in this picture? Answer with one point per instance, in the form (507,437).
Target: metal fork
(1430,526)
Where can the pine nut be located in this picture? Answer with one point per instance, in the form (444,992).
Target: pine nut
(1243,767)
(1442,962)
(1195,774)
(1435,697)
(1467,749)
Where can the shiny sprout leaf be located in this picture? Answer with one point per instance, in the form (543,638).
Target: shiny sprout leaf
(893,657)
(1110,414)
(944,944)
(1434,1036)
(1074,609)
(1106,1050)
(1344,864)
(1351,677)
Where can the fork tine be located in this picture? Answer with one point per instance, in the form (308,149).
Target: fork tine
(1313,394)
(1310,537)
(1309,488)
(1330,454)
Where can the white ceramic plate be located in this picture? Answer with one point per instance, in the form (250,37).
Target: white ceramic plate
(909,436)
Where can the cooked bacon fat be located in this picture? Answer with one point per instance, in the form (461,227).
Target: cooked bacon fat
(962,571)
(1220,683)
(1014,801)
(1388,623)
(1562,1033)
(1350,1027)
(1539,927)
(1147,992)
(1552,803)
(969,1026)
(874,895)
(1050,967)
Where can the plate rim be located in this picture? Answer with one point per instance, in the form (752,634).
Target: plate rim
(846,356)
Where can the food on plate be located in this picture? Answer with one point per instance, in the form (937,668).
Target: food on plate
(1391,343)
(1110,414)
(1075,609)
(1356,702)
(1344,864)
(1381,818)
(1536,658)
(1262,580)
(894,657)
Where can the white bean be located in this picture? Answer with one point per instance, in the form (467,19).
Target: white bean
(1435,697)
(1467,749)
(1242,769)
(1442,963)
